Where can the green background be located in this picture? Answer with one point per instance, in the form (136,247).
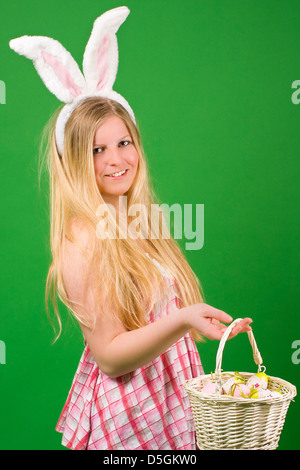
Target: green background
(210,84)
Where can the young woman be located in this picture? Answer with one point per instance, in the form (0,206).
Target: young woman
(131,289)
(136,298)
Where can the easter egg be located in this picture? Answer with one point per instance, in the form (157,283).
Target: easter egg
(274,394)
(258,380)
(258,393)
(209,388)
(240,390)
(230,383)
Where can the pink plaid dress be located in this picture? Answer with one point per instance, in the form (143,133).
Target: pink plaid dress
(146,409)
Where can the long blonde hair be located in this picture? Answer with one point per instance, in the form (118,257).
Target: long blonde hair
(126,277)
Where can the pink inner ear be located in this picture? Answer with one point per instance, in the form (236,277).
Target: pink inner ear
(102,62)
(62,73)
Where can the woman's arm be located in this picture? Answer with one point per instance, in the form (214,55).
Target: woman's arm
(118,351)
(132,349)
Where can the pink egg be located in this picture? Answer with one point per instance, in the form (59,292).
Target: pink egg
(230,384)
(241,390)
(209,388)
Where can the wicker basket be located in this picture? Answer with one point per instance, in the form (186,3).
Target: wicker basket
(225,422)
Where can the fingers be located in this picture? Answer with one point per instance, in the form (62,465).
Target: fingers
(217,318)
(217,314)
(242,326)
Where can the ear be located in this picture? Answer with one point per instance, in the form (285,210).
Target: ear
(54,64)
(100,60)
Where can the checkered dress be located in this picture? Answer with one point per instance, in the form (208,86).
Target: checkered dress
(146,409)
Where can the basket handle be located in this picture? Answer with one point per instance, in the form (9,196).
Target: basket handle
(256,354)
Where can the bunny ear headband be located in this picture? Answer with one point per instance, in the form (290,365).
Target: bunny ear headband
(61,74)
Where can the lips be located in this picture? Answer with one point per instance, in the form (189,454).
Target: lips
(118,174)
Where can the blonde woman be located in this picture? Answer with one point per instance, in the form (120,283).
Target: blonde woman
(135,297)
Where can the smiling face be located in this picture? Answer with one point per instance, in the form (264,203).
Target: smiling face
(115,159)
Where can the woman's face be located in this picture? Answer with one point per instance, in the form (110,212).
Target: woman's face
(115,159)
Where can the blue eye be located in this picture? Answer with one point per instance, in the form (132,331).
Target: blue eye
(98,150)
(124,143)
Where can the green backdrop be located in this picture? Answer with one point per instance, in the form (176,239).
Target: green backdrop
(210,82)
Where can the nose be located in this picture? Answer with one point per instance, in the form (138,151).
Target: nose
(114,157)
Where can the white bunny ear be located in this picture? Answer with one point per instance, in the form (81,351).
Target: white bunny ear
(61,74)
(100,59)
(54,64)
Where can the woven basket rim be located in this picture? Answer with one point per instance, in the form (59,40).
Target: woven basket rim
(191,384)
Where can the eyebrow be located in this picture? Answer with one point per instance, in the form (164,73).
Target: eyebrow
(118,140)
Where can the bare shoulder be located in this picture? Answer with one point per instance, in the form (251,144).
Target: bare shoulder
(87,295)
(75,251)
(79,233)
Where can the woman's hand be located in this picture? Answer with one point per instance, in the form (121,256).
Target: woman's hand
(207,320)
